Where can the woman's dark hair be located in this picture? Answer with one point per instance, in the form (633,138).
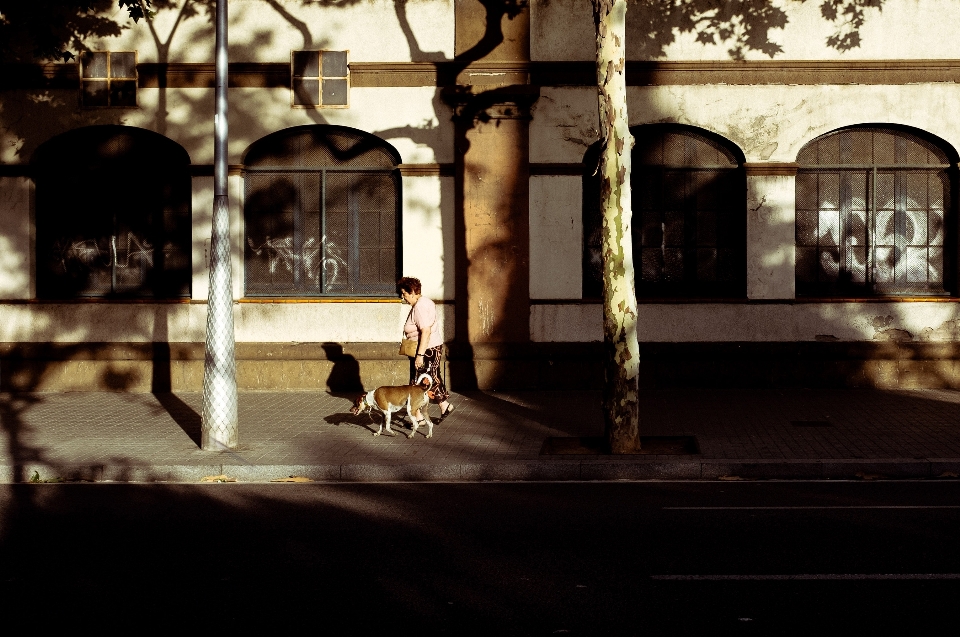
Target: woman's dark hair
(409,285)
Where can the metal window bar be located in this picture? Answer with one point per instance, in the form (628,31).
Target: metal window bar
(301,283)
(901,283)
(324,284)
(690,241)
(113,255)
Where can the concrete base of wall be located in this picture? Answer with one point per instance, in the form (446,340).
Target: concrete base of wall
(349,367)
(885,365)
(338,367)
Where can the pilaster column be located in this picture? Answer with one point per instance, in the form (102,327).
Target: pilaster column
(493,171)
(771,234)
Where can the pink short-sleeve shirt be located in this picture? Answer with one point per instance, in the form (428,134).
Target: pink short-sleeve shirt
(423,314)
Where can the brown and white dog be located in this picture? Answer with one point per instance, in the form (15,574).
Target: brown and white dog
(387,400)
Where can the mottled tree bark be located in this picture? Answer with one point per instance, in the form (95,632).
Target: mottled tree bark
(621,349)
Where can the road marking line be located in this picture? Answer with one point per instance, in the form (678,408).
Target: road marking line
(811,576)
(815,508)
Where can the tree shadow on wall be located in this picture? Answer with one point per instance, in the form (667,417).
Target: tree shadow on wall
(741,26)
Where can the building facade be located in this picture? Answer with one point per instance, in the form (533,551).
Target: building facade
(795,197)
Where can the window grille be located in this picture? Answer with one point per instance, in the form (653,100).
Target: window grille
(108,78)
(115,220)
(320,78)
(321,214)
(872,215)
(689,216)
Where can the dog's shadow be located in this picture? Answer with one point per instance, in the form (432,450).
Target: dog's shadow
(367,421)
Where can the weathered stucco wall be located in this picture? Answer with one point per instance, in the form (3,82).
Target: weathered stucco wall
(878,321)
(908,29)
(772,123)
(768,123)
(15,238)
(267,31)
(304,322)
(556,237)
(932,321)
(565,123)
(417,124)
(428,252)
(567,323)
(771,236)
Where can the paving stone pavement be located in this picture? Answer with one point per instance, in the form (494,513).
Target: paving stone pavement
(789,433)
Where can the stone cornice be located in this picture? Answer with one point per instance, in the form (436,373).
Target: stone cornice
(573,73)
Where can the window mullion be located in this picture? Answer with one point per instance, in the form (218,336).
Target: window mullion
(113,245)
(900,230)
(690,247)
(323,232)
(845,232)
(109,101)
(298,222)
(353,232)
(871,218)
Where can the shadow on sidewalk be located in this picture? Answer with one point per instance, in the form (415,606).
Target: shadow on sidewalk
(183,414)
(161,388)
(572,413)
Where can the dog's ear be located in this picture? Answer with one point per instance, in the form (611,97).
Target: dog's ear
(424,381)
(357,404)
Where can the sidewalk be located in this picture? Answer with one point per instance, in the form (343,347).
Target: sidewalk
(747,434)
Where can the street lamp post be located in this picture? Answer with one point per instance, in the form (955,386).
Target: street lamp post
(219,428)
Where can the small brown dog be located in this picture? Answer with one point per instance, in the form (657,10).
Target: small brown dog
(387,400)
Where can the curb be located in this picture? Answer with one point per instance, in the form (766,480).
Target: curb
(651,468)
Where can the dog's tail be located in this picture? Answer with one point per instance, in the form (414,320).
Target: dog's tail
(424,377)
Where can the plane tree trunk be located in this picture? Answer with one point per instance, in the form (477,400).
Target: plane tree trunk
(621,348)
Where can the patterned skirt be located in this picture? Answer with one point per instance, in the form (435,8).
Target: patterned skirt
(432,360)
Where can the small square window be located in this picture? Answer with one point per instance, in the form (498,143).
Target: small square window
(108,78)
(320,79)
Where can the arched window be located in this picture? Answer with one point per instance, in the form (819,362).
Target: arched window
(689,215)
(112,215)
(873,214)
(322,214)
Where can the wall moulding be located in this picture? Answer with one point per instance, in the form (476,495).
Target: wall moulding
(557,169)
(584,73)
(451,73)
(427,170)
(163,367)
(771,169)
(239,75)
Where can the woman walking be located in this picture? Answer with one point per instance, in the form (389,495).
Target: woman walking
(421,326)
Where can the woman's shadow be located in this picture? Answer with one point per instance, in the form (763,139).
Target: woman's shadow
(344,382)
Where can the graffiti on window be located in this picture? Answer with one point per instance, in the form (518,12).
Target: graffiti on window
(89,254)
(318,258)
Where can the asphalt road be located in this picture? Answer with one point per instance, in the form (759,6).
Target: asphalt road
(649,558)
